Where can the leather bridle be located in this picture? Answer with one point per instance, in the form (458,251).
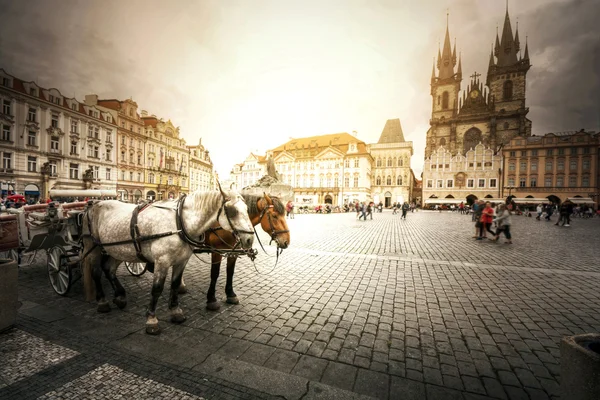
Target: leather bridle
(273,234)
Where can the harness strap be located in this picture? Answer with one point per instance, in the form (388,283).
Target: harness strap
(180,228)
(134,230)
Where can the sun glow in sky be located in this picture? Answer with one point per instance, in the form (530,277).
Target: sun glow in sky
(248,75)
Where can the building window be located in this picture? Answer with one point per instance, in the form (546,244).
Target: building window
(356,161)
(511,166)
(139,176)
(522,181)
(7,160)
(170,180)
(549,166)
(378,162)
(6,133)
(493,182)
(561,151)
(534,166)
(573,165)
(378,181)
(31,115)
(74,171)
(139,160)
(31,164)
(54,144)
(548,182)
(585,181)
(108,136)
(533,181)
(389,162)
(440,183)
(131,176)
(74,106)
(399,181)
(449,183)
(560,181)
(90,131)
(97,132)
(346,164)
(96,170)
(586,164)
(108,174)
(54,122)
(560,165)
(445,100)
(481,183)
(550,152)
(524,153)
(573,151)
(534,152)
(511,181)
(523,165)
(471,183)
(74,126)
(586,150)
(150,178)
(572,181)
(6,107)
(388,180)
(356,181)
(32,138)
(507,91)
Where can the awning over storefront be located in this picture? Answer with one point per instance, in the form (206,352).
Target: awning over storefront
(444,201)
(32,190)
(581,200)
(530,200)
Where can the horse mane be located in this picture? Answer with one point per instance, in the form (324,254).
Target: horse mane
(252,203)
(202,199)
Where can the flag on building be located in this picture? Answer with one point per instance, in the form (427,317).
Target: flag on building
(161,157)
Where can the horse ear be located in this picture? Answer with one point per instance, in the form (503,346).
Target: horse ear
(268,199)
(221,190)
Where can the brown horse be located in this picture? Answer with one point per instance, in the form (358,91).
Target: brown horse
(270,213)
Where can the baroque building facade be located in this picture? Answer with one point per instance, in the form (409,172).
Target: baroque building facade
(50,141)
(556,166)
(337,168)
(201,168)
(392,177)
(491,113)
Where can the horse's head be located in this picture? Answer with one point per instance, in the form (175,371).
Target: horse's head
(233,217)
(272,220)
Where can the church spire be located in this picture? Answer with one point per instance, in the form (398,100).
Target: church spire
(526,56)
(433,71)
(507,53)
(517,43)
(447,64)
(459,69)
(492,63)
(454,53)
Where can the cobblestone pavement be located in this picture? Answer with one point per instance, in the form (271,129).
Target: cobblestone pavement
(384,308)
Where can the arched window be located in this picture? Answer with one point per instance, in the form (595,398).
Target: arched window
(378,181)
(389,180)
(442,142)
(378,162)
(399,181)
(471,139)
(389,162)
(445,100)
(507,92)
(400,162)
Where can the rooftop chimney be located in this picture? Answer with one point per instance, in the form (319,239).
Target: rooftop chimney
(91,99)
(144,113)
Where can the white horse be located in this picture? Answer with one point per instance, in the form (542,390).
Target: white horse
(165,234)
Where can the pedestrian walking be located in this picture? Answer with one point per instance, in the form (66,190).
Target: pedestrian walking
(503,222)
(405,208)
(487,217)
(289,208)
(539,209)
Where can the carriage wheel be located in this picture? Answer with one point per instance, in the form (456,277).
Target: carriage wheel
(59,272)
(135,268)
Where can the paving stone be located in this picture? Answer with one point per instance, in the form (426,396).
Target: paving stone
(406,389)
(371,383)
(339,375)
(310,368)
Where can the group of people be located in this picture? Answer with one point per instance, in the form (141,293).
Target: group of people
(403,207)
(484,216)
(364,209)
(564,212)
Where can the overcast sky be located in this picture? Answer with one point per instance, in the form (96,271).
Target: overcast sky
(248,75)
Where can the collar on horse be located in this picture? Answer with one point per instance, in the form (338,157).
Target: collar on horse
(273,232)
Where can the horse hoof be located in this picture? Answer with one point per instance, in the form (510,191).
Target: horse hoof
(152,329)
(178,318)
(103,307)
(182,289)
(233,300)
(121,303)
(214,306)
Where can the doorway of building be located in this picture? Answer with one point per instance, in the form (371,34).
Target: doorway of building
(388,200)
(328,199)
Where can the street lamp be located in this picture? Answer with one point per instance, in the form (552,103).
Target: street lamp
(510,188)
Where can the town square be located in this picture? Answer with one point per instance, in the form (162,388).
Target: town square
(282,200)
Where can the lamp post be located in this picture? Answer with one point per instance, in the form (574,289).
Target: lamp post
(510,189)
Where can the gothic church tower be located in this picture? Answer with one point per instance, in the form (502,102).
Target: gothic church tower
(445,89)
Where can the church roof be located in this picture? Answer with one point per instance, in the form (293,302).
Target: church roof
(392,132)
(340,140)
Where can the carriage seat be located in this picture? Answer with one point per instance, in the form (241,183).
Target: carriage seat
(35,207)
(78,205)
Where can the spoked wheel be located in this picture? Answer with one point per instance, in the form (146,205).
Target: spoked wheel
(135,268)
(59,272)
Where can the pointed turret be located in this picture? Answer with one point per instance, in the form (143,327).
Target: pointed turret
(492,63)
(439,58)
(433,72)
(497,45)
(526,55)
(447,65)
(459,70)
(508,51)
(454,53)
(517,43)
